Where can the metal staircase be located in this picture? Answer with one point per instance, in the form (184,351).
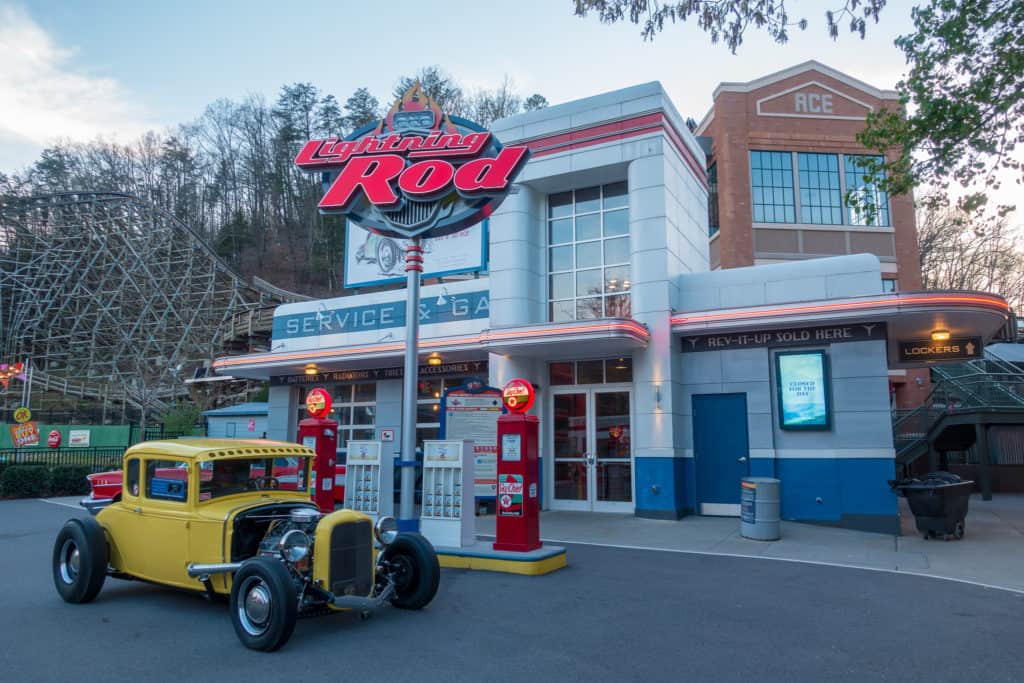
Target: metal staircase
(983,387)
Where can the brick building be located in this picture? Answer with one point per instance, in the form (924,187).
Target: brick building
(782,153)
(663,373)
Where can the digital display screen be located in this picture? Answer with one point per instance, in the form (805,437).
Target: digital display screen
(802,379)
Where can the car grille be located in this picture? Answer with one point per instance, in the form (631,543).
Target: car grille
(413,214)
(351,571)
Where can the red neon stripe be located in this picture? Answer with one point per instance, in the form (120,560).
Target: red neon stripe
(634,328)
(619,130)
(1001,305)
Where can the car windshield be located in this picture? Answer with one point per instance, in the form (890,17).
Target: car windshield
(238,475)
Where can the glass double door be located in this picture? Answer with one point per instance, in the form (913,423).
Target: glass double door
(592,449)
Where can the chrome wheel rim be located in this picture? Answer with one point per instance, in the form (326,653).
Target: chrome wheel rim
(70,562)
(255,607)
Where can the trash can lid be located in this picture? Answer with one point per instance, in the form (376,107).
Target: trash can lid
(761,480)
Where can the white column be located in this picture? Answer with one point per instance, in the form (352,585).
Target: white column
(517,267)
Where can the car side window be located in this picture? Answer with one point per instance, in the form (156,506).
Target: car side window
(132,477)
(167,480)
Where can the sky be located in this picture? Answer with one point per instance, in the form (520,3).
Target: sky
(117,68)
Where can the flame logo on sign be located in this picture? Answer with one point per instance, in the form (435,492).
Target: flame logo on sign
(415,111)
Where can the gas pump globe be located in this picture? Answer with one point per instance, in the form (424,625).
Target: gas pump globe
(321,434)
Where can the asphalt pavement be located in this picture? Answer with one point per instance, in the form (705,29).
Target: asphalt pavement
(613,615)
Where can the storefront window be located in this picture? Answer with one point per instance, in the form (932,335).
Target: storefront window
(818,183)
(428,406)
(863,183)
(354,409)
(771,177)
(712,200)
(562,373)
(820,200)
(588,253)
(606,371)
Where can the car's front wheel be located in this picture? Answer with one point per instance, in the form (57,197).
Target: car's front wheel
(414,569)
(80,560)
(264,605)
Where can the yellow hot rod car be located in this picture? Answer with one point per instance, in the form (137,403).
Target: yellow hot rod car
(231,517)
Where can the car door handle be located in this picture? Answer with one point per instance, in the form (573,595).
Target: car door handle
(137,510)
(742,458)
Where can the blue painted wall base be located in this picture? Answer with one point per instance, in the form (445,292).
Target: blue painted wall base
(852,493)
(661,487)
(849,492)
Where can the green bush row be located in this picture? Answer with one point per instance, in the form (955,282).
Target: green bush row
(33,481)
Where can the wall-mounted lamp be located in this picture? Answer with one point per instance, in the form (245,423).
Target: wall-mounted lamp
(434,359)
(940,335)
(657,397)
(311,369)
(442,298)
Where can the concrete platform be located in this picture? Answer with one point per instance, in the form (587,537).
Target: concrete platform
(482,556)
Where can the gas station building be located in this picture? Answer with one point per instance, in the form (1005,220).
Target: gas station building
(669,359)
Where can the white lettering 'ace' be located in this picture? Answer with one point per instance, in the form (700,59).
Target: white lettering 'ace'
(813,103)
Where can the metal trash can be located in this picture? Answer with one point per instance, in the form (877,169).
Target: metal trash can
(760,508)
(939,503)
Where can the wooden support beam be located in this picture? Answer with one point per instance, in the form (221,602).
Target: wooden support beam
(984,462)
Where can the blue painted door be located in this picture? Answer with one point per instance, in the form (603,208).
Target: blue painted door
(721,451)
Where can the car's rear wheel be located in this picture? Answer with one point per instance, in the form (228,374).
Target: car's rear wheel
(264,605)
(80,560)
(414,569)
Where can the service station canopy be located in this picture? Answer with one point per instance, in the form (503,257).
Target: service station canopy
(416,172)
(906,320)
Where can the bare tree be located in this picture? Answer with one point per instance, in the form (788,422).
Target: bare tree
(961,252)
(491,105)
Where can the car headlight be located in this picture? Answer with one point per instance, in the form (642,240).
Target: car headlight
(294,545)
(386,529)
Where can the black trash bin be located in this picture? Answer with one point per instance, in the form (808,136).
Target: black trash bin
(939,503)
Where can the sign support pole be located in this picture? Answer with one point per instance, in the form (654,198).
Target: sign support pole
(413,268)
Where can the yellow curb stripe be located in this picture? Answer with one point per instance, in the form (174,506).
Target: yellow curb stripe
(491,564)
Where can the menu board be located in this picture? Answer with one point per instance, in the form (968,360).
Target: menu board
(471,413)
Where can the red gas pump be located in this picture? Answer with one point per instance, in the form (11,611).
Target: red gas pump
(321,435)
(517,525)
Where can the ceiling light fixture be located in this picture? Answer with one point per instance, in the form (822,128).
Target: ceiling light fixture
(940,335)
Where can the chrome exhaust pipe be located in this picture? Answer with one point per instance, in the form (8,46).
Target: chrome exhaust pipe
(199,570)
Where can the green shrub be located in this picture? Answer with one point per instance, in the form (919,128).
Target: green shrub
(25,481)
(69,480)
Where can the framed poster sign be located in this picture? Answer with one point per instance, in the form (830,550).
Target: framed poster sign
(802,381)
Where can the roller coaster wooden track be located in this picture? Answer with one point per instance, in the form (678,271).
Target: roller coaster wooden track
(107,294)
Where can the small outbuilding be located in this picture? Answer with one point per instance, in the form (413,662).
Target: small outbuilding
(243,421)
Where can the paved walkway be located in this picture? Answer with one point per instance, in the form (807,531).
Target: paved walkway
(991,552)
